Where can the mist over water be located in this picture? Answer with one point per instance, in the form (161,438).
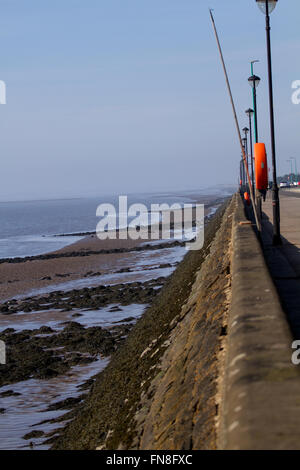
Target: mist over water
(28,228)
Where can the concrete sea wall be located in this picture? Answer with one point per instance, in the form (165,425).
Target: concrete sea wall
(261,389)
(208,366)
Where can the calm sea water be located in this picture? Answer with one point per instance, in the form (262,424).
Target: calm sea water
(28,228)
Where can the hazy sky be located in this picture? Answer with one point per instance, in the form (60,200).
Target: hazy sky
(120,96)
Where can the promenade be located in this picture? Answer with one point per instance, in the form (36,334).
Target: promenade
(284,261)
(260,408)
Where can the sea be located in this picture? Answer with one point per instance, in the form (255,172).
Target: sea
(36,227)
(31,228)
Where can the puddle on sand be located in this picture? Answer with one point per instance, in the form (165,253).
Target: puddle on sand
(24,411)
(104,280)
(103,317)
(145,267)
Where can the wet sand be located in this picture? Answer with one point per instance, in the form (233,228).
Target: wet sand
(55,343)
(37,273)
(103,288)
(18,278)
(126,380)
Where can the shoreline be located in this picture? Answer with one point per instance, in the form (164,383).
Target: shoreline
(75,261)
(98,424)
(77,300)
(208,201)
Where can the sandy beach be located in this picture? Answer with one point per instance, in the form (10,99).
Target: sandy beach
(39,272)
(63,314)
(22,277)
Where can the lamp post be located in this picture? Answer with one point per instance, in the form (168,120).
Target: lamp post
(254,81)
(296,170)
(246,130)
(250,112)
(253,97)
(244,140)
(267,6)
(241,175)
(290,160)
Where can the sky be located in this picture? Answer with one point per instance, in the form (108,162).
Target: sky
(125,96)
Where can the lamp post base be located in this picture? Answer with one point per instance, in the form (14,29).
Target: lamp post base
(277,241)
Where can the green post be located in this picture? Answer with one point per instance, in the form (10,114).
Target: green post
(296,170)
(292,169)
(254,107)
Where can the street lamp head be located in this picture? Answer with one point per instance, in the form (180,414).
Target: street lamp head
(254,81)
(262,5)
(250,112)
(246,130)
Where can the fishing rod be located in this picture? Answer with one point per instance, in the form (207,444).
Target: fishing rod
(236,120)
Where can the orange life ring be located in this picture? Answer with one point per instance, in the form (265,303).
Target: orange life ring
(261,166)
(247,198)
